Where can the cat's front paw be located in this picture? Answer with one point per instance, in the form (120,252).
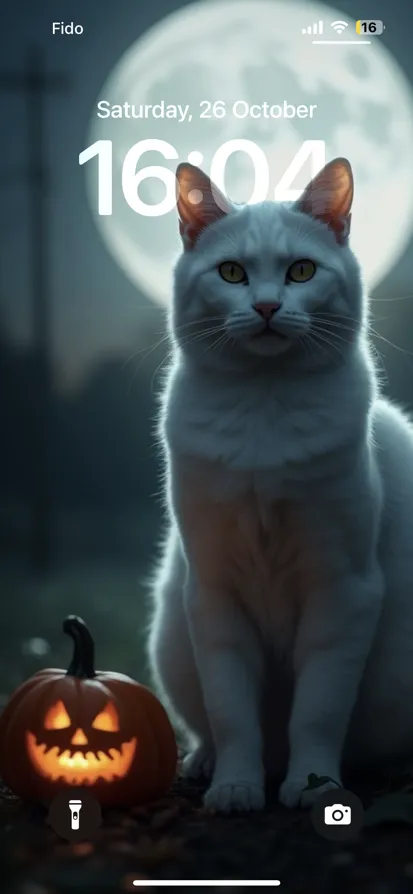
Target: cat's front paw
(199,763)
(295,793)
(227,797)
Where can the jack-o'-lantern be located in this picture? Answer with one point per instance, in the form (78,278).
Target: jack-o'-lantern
(86,728)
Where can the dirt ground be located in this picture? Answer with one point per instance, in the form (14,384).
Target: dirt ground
(175,838)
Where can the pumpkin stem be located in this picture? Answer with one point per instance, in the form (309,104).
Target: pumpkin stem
(82,664)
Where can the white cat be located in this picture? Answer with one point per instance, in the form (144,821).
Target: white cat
(282,629)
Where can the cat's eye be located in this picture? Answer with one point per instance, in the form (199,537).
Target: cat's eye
(232,272)
(301,271)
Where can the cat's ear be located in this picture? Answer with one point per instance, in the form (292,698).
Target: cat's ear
(329,197)
(199,203)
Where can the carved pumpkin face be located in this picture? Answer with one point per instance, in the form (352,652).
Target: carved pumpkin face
(82,727)
(64,750)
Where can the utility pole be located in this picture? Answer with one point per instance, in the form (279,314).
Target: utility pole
(35,83)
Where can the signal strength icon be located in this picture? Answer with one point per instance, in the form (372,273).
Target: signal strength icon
(317,28)
(339,26)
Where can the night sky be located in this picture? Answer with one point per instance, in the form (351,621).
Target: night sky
(96,309)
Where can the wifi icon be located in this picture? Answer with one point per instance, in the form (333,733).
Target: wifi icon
(339,26)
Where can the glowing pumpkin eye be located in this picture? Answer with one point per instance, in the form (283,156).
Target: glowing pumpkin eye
(107,720)
(57,717)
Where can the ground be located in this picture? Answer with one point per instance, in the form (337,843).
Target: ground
(175,838)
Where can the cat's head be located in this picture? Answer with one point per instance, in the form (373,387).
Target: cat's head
(267,281)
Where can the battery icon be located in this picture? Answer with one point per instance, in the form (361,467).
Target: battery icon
(370,28)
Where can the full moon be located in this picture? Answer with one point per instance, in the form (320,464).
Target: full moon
(254,51)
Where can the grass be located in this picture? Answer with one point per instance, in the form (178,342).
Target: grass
(110,597)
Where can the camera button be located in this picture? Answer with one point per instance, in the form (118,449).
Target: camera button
(338,815)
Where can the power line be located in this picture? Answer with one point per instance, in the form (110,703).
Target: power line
(35,83)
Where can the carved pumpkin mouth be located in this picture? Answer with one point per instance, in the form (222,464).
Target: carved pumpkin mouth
(76,768)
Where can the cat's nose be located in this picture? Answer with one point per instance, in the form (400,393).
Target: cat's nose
(266,309)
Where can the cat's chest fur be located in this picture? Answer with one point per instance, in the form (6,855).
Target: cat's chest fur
(245,473)
(257,547)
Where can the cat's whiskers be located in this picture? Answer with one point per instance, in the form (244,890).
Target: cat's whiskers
(219,342)
(374,347)
(200,320)
(202,332)
(169,356)
(337,318)
(165,338)
(329,321)
(149,350)
(322,330)
(393,298)
(306,341)
(188,339)
(319,335)
(370,329)
(295,320)
(319,344)
(199,336)
(388,341)
(377,334)
(242,322)
(167,335)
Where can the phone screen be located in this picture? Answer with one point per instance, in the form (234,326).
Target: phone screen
(145,148)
